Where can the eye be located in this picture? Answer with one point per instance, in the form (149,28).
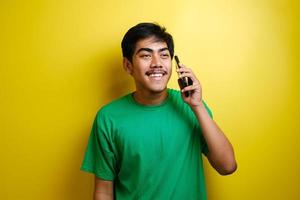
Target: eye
(145,55)
(164,55)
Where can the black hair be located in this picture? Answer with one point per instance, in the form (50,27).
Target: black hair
(143,31)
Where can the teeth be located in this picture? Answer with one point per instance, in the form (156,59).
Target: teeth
(155,75)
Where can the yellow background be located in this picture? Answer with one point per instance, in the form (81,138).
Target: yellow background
(61,61)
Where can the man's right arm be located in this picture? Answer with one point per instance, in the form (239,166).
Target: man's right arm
(104,190)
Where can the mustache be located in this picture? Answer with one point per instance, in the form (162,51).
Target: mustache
(156,71)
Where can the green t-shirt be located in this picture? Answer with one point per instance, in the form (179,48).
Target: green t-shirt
(150,152)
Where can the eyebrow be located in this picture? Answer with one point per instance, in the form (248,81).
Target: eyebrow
(151,50)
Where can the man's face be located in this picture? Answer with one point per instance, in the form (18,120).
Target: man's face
(151,65)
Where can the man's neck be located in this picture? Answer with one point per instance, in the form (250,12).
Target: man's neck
(150,98)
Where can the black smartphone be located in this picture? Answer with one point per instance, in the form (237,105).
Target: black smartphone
(184,81)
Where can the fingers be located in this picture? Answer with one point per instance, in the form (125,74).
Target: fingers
(183,68)
(187,72)
(195,90)
(193,87)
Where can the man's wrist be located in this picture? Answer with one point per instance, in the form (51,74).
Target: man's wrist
(198,108)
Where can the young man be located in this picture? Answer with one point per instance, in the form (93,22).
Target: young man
(148,144)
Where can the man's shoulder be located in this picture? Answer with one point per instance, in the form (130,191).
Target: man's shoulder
(175,96)
(173,92)
(115,105)
(177,99)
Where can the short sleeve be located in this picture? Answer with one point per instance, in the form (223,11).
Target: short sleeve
(99,157)
(204,147)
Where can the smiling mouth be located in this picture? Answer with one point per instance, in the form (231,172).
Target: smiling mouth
(154,73)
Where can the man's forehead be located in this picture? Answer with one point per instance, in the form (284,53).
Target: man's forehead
(151,43)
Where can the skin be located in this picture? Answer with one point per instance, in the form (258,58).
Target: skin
(221,154)
(150,56)
(104,190)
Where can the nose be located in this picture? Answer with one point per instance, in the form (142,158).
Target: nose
(155,62)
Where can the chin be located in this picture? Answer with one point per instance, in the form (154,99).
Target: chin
(158,90)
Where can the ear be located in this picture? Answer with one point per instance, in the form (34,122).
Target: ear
(127,65)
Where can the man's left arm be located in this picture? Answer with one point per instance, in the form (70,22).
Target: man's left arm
(220,151)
